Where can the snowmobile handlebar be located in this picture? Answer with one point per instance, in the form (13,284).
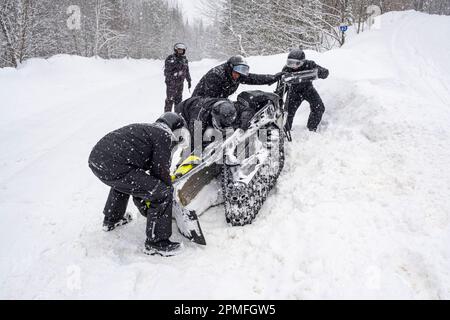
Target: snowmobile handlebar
(298,77)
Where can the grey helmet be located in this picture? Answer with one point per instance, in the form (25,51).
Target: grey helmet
(239,65)
(223,114)
(296,58)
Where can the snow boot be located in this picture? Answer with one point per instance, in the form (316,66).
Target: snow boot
(165,248)
(110,226)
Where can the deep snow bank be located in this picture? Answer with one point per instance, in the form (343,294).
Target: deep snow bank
(361,210)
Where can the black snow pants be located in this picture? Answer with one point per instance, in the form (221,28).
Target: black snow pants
(317,107)
(174,95)
(142,187)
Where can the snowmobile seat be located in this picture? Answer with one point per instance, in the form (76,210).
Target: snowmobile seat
(257,99)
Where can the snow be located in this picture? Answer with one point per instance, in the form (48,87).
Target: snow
(360,211)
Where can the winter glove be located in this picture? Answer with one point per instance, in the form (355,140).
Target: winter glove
(279,75)
(323,73)
(186,166)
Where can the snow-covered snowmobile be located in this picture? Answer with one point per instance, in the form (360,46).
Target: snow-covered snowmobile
(248,163)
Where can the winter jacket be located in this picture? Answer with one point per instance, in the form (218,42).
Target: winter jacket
(218,82)
(197,109)
(137,146)
(176,69)
(304,85)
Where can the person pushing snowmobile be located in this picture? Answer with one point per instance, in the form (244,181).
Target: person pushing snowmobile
(224,80)
(176,71)
(219,114)
(304,90)
(135,161)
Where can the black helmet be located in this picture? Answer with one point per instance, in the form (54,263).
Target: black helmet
(297,54)
(179,46)
(296,58)
(223,114)
(172,120)
(239,65)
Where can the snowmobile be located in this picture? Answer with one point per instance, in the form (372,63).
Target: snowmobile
(247,164)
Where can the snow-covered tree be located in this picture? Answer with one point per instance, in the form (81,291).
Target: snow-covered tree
(17,20)
(149,28)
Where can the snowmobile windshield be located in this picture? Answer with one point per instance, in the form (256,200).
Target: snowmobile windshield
(294,63)
(242,69)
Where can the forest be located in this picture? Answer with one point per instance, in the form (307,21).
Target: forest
(148,29)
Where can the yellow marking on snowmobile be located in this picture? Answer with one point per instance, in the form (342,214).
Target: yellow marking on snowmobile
(186,166)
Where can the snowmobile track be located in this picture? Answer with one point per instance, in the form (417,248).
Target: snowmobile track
(243,201)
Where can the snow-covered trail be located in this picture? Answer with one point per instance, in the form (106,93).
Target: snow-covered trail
(361,210)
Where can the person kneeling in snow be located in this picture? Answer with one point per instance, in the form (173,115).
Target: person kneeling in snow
(135,161)
(305,90)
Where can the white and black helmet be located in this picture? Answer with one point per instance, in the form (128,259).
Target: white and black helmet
(180,46)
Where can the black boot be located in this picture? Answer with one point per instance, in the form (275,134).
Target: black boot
(112,225)
(165,248)
(115,207)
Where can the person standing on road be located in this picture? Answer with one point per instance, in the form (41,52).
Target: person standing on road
(176,70)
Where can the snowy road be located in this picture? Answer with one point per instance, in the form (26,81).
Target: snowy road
(362,209)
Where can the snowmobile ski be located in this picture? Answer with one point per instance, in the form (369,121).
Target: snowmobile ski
(196,182)
(189,184)
(188,224)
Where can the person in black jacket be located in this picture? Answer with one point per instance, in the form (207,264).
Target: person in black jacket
(176,70)
(209,112)
(202,113)
(304,91)
(135,161)
(224,80)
